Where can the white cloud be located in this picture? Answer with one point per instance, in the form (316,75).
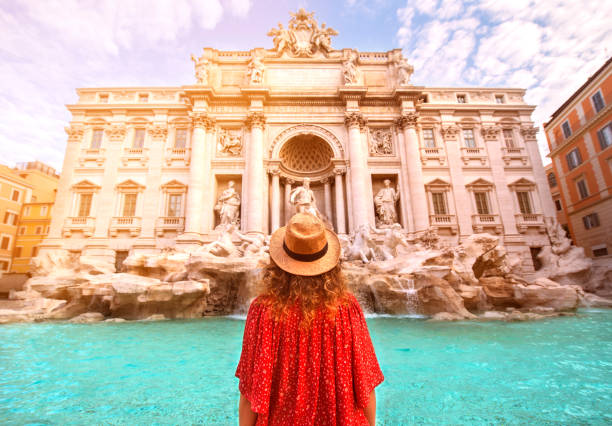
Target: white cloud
(548,47)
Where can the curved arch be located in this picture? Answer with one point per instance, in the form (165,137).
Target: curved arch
(305,129)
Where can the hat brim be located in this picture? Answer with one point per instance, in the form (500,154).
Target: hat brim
(296,267)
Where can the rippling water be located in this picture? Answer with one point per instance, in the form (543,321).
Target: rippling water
(557,371)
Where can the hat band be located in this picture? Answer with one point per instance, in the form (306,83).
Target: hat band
(305,257)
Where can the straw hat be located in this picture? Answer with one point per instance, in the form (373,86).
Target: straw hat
(305,246)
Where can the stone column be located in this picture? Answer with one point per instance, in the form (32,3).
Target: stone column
(151,195)
(62,207)
(198,171)
(415,174)
(531,145)
(359,173)
(328,199)
(275,213)
(340,221)
(288,183)
(407,219)
(256,178)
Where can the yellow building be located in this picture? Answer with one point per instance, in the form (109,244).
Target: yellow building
(35,216)
(14,191)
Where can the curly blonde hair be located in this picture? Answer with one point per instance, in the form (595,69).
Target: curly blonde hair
(283,290)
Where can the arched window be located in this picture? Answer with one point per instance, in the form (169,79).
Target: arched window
(552,180)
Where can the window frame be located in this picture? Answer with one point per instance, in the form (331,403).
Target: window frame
(442,199)
(432,139)
(461,98)
(566,128)
(8,238)
(576,158)
(605,130)
(591,221)
(558,205)
(13,192)
(176,132)
(601,98)
(525,201)
(96,143)
(472,138)
(487,202)
(43,210)
(133,205)
(583,190)
(499,98)
(552,182)
(80,203)
(509,131)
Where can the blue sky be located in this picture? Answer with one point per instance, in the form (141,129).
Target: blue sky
(50,47)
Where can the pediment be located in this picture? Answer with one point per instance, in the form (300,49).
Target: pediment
(437,183)
(85,184)
(479,182)
(129,184)
(174,184)
(522,182)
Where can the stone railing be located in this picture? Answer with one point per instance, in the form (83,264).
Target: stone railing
(529,220)
(515,153)
(469,154)
(482,221)
(433,153)
(134,154)
(92,154)
(84,224)
(440,221)
(179,154)
(169,223)
(132,224)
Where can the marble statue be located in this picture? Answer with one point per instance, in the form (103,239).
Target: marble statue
(385,201)
(321,37)
(361,246)
(229,144)
(282,39)
(404,72)
(201,69)
(255,70)
(252,245)
(223,246)
(303,37)
(349,69)
(393,237)
(303,199)
(228,205)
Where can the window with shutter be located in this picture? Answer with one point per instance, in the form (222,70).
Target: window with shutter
(180,140)
(129,205)
(174,205)
(439,203)
(524,201)
(508,138)
(85,205)
(482,203)
(428,138)
(468,138)
(605,136)
(598,101)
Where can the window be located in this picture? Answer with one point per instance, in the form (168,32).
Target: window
(10,218)
(96,139)
(499,99)
(574,159)
(43,210)
(605,136)
(524,201)
(129,205)
(468,138)
(180,139)
(139,137)
(558,205)
(35,251)
(3,265)
(428,138)
(482,202)
(103,99)
(590,221)
(598,101)
(552,180)
(143,97)
(461,99)
(567,131)
(509,138)
(33,198)
(599,251)
(439,203)
(26,211)
(4,243)
(174,205)
(17,251)
(85,204)
(47,229)
(38,230)
(22,230)
(15,195)
(582,188)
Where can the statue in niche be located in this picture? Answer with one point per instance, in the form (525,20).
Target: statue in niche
(380,143)
(230,144)
(255,70)
(360,246)
(385,200)
(303,200)
(349,69)
(201,69)
(228,206)
(393,237)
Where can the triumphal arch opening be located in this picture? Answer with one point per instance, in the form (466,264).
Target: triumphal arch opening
(298,125)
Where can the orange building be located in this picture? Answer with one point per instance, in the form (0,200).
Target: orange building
(579,135)
(555,192)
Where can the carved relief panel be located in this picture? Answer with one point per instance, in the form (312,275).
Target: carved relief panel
(380,142)
(229,142)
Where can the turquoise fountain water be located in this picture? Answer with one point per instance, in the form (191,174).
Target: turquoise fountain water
(557,371)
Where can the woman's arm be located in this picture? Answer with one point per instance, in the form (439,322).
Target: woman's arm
(370,409)
(247,417)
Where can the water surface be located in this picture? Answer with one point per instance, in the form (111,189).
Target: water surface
(557,371)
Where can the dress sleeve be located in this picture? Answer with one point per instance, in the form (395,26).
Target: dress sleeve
(257,358)
(366,371)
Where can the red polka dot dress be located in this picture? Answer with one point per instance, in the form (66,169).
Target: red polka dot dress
(321,375)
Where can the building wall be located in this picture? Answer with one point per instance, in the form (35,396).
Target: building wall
(34,223)
(595,169)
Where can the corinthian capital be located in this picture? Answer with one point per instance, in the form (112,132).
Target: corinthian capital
(255,119)
(354,119)
(490,132)
(116,132)
(450,132)
(75,133)
(529,133)
(407,120)
(202,121)
(158,131)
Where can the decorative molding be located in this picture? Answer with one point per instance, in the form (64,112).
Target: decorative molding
(255,119)
(490,133)
(450,132)
(116,132)
(352,119)
(305,129)
(202,121)
(75,133)
(529,133)
(409,119)
(158,131)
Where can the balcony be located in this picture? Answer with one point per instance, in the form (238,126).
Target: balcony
(471,155)
(436,154)
(131,224)
(178,154)
(134,154)
(480,222)
(83,224)
(525,221)
(97,155)
(444,221)
(516,155)
(175,223)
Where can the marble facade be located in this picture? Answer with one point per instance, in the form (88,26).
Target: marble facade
(145,166)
